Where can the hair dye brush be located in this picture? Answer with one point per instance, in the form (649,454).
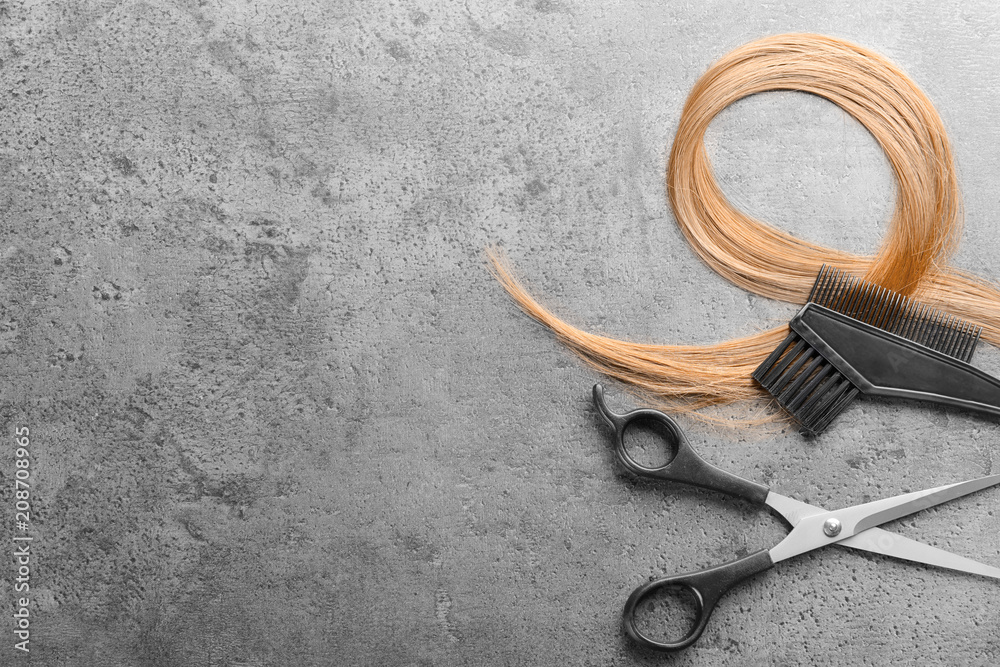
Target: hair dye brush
(856,337)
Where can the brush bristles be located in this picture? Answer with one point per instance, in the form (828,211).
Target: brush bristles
(805,384)
(810,388)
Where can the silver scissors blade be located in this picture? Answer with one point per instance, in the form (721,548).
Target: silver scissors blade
(878,512)
(814,530)
(879,541)
(883,542)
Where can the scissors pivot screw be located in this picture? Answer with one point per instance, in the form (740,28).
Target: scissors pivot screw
(831,527)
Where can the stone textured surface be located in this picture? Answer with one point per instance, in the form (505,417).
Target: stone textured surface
(280,412)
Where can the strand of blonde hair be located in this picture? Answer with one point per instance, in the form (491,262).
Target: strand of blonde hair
(912,258)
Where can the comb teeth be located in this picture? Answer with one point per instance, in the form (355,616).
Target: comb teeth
(895,313)
(810,388)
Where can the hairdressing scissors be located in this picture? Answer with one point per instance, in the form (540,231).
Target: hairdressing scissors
(812,527)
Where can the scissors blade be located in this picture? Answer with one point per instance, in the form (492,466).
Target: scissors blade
(809,534)
(883,542)
(879,541)
(875,513)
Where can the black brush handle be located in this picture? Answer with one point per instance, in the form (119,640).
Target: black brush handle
(879,363)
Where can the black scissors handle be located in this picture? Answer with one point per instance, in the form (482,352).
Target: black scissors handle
(685,466)
(706,586)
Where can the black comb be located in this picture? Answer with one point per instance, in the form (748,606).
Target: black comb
(856,337)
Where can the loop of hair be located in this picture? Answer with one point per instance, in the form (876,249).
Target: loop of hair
(912,258)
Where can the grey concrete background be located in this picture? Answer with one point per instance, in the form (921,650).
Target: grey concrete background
(281,414)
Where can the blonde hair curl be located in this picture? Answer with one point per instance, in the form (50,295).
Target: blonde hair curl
(912,258)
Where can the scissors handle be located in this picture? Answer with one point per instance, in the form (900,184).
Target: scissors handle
(707,586)
(686,465)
